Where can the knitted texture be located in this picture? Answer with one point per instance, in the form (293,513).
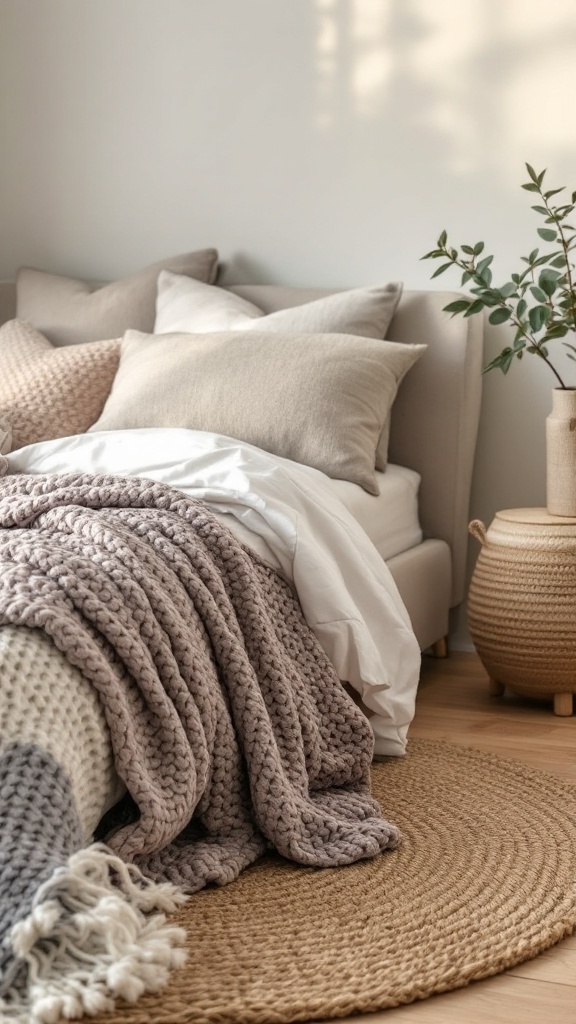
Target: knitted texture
(48,392)
(46,701)
(39,829)
(229,726)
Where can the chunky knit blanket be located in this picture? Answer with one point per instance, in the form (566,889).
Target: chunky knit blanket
(228,728)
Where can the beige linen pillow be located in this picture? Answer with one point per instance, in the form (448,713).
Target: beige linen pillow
(71,312)
(47,392)
(186,305)
(318,399)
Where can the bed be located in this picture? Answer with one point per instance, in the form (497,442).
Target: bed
(364,564)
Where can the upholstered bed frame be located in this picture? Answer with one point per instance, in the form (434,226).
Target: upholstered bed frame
(433,430)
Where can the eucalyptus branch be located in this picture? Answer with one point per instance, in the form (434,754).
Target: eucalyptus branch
(539,302)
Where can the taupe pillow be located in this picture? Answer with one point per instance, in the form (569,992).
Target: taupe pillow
(47,392)
(71,312)
(318,399)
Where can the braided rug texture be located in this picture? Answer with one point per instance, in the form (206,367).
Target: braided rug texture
(485,879)
(230,729)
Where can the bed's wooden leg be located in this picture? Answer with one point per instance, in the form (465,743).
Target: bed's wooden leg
(440,648)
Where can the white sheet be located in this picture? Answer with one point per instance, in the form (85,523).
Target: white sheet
(347,594)
(390,518)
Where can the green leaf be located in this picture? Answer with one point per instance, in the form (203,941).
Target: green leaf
(559,261)
(547,234)
(532,173)
(440,270)
(540,209)
(519,344)
(466,277)
(547,284)
(553,192)
(468,249)
(499,316)
(538,316)
(531,188)
(478,248)
(489,296)
(507,290)
(521,308)
(538,294)
(483,264)
(458,306)
(504,358)
(556,331)
(474,307)
(442,240)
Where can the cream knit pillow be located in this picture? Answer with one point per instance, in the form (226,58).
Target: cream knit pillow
(46,392)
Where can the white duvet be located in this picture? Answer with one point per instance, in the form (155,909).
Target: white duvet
(288,513)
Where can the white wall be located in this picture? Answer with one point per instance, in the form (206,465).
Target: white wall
(321,142)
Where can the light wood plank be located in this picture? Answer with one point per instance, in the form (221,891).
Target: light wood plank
(503,999)
(558,964)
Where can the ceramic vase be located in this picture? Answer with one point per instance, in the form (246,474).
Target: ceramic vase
(561,454)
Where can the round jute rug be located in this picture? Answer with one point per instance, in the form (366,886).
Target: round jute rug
(485,878)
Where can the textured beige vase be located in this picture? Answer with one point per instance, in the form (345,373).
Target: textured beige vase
(561,454)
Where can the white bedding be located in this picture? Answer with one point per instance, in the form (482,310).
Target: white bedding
(289,513)
(390,518)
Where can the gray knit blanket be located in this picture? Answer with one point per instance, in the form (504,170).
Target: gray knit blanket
(229,728)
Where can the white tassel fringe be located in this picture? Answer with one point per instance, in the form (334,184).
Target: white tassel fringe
(88,940)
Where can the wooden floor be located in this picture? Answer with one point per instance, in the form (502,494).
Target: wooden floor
(454,705)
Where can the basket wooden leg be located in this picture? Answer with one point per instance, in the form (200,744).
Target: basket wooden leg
(563,704)
(440,648)
(495,687)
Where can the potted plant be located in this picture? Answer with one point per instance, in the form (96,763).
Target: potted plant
(539,305)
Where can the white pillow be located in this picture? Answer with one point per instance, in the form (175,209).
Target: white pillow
(185,305)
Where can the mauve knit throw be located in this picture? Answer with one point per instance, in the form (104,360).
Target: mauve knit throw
(229,726)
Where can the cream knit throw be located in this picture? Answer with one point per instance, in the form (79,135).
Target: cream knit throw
(229,727)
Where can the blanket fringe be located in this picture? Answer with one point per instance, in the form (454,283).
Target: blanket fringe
(90,940)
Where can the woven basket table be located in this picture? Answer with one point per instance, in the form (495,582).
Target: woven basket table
(522,604)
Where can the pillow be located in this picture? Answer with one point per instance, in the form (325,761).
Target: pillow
(47,392)
(5,437)
(71,312)
(318,399)
(186,305)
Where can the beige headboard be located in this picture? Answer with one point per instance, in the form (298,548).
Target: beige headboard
(435,416)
